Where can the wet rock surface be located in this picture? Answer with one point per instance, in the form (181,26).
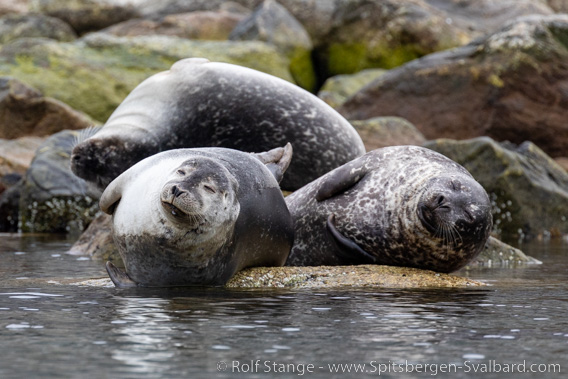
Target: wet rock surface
(328,277)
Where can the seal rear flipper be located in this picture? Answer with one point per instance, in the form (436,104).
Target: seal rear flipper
(340,180)
(276,160)
(119,277)
(345,249)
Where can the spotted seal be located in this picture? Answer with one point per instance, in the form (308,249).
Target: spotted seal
(198,103)
(197,216)
(401,206)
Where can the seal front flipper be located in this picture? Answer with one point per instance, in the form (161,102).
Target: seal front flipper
(347,250)
(119,277)
(341,179)
(276,160)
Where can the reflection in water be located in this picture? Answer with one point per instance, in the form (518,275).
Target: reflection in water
(53,330)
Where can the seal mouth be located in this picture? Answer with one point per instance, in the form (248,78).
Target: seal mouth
(174,211)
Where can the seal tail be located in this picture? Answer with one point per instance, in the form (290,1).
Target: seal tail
(119,277)
(346,249)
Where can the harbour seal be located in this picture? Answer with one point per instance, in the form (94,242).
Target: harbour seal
(400,205)
(198,103)
(197,216)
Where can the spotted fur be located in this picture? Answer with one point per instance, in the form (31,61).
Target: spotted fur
(199,103)
(376,201)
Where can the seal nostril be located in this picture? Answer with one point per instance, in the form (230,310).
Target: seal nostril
(176,191)
(440,199)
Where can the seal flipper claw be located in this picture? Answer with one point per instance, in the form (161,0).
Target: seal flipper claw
(346,249)
(119,277)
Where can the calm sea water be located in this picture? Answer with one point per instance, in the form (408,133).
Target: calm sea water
(48,330)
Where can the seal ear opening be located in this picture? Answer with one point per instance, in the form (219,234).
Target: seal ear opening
(276,160)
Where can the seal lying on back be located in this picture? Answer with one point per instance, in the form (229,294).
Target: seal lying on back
(197,216)
(198,103)
(400,206)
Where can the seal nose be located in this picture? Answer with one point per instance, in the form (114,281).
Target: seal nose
(176,191)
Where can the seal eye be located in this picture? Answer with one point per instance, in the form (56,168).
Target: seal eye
(209,189)
(180,172)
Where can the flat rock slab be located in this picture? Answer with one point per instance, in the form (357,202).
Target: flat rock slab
(322,277)
(345,276)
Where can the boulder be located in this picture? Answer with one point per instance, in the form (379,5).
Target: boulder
(13,7)
(482,17)
(95,73)
(16,26)
(53,199)
(353,35)
(339,88)
(272,23)
(25,112)
(496,253)
(562,162)
(510,85)
(528,190)
(387,131)
(97,241)
(200,25)
(16,155)
(559,6)
(86,15)
(157,9)
(10,203)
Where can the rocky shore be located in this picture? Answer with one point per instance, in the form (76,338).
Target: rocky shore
(482,82)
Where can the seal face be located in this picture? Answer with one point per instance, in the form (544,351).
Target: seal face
(197,216)
(400,205)
(200,103)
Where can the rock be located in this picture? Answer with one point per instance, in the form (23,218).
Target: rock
(157,9)
(205,25)
(528,190)
(86,15)
(387,131)
(498,254)
(25,112)
(345,276)
(13,7)
(353,35)
(559,6)
(53,199)
(97,241)
(16,155)
(17,26)
(510,85)
(272,23)
(95,73)
(486,16)
(9,204)
(337,89)
(562,162)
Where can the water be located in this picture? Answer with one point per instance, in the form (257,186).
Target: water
(51,330)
